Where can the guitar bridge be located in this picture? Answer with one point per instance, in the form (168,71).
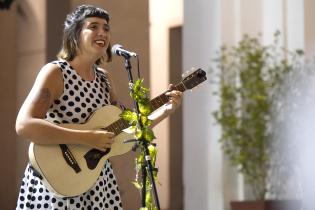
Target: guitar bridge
(70,160)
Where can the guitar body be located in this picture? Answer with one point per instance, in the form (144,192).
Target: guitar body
(58,176)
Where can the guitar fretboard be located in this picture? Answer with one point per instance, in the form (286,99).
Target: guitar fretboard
(118,126)
(162,99)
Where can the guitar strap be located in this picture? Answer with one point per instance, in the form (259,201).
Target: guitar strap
(35,173)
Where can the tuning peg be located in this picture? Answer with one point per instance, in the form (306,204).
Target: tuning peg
(185,74)
(191,70)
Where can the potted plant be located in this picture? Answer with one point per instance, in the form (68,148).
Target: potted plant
(250,78)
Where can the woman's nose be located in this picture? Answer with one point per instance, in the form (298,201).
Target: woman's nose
(101,32)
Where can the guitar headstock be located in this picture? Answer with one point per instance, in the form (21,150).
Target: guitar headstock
(194,78)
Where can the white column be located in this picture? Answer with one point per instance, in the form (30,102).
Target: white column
(294,24)
(233,23)
(273,20)
(202,153)
(251,16)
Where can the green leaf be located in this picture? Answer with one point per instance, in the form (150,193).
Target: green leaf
(139,134)
(148,134)
(141,124)
(144,108)
(145,121)
(140,159)
(137,185)
(129,116)
(153,152)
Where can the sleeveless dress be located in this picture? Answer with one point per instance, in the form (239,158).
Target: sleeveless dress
(78,100)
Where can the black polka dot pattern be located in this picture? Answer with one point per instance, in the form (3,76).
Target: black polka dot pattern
(79,99)
(103,195)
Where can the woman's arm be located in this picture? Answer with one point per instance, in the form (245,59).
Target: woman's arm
(175,99)
(30,123)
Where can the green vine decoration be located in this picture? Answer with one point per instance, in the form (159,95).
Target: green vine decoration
(141,127)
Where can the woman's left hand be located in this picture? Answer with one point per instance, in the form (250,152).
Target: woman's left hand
(175,99)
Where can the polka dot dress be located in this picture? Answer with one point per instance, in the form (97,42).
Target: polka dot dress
(79,99)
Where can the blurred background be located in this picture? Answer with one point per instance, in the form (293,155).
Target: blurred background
(171,37)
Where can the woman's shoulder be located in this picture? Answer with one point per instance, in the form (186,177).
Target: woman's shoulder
(50,72)
(51,69)
(50,77)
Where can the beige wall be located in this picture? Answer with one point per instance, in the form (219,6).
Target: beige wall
(309,6)
(8,108)
(175,143)
(30,57)
(162,19)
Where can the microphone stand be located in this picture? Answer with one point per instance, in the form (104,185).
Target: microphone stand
(146,168)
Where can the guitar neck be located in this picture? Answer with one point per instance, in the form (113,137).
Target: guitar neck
(162,99)
(118,126)
(189,82)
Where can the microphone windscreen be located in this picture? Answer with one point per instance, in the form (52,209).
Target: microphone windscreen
(115,48)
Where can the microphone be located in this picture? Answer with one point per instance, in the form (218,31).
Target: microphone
(120,51)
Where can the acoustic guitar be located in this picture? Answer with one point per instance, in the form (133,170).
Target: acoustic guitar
(70,170)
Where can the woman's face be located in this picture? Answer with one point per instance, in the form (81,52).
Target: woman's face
(94,37)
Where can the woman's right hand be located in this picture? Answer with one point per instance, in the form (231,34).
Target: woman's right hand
(100,139)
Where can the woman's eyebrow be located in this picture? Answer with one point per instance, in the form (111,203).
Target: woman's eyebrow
(97,23)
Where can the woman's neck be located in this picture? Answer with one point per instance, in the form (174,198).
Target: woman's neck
(84,66)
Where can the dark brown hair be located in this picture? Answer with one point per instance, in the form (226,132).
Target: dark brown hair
(72,29)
